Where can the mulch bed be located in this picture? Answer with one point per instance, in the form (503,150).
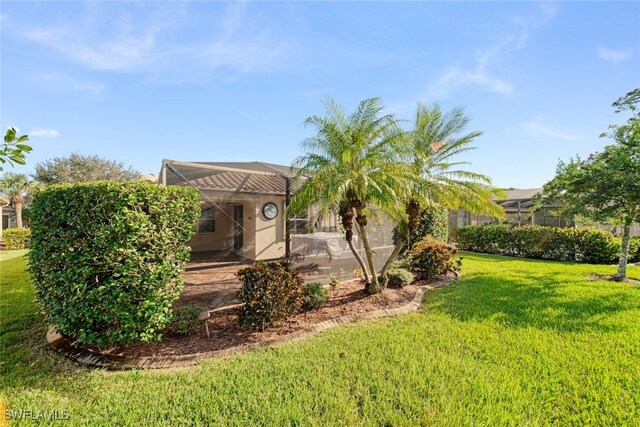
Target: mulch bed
(611,279)
(349,298)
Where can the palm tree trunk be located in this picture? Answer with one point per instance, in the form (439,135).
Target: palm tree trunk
(346,216)
(414,212)
(358,257)
(402,240)
(18,208)
(373,285)
(621,274)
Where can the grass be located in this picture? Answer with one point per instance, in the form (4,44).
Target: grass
(515,342)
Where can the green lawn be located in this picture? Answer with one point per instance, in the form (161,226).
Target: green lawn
(515,342)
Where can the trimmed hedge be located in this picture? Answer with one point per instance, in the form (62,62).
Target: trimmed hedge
(16,238)
(588,245)
(107,258)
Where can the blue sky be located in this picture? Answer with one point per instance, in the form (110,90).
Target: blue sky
(210,81)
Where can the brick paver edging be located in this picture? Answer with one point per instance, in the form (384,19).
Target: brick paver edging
(117,363)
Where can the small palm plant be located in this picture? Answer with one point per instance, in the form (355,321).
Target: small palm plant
(17,187)
(352,163)
(433,143)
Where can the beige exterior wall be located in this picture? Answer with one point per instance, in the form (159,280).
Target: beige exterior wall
(263,238)
(270,239)
(222,238)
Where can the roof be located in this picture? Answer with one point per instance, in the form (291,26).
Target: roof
(521,194)
(242,177)
(4,200)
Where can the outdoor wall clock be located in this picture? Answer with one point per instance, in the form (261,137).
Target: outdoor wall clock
(270,210)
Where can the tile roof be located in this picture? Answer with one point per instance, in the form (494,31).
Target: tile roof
(243,177)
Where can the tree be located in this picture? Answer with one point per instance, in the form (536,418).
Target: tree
(605,187)
(17,187)
(352,163)
(433,143)
(14,148)
(81,168)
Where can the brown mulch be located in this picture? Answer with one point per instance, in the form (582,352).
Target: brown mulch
(348,298)
(611,279)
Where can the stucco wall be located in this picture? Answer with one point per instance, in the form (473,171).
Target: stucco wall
(270,233)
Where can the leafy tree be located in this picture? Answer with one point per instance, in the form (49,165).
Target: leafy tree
(433,144)
(606,186)
(353,163)
(17,188)
(13,148)
(81,168)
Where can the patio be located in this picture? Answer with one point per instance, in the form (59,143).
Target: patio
(210,277)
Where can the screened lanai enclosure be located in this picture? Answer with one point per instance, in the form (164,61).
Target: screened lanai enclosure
(243,220)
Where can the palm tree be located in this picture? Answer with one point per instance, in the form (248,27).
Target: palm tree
(433,143)
(17,187)
(352,163)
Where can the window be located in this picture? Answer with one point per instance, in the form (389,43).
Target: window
(207,221)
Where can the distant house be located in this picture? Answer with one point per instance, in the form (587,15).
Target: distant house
(8,215)
(521,210)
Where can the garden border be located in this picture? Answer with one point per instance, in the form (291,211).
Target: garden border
(111,362)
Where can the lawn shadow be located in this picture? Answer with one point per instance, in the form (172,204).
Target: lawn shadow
(536,300)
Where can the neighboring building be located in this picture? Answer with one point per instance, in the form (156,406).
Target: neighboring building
(520,209)
(7,214)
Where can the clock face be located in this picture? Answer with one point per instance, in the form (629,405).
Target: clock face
(270,210)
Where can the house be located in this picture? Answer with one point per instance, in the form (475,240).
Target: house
(242,215)
(242,205)
(521,209)
(7,214)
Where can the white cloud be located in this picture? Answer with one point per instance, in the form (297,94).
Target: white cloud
(539,129)
(151,42)
(613,55)
(44,133)
(480,73)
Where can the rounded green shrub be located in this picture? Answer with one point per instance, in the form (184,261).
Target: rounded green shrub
(430,259)
(399,278)
(16,238)
(107,258)
(314,295)
(634,249)
(185,319)
(271,291)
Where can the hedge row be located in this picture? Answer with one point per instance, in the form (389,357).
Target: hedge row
(16,238)
(588,245)
(106,258)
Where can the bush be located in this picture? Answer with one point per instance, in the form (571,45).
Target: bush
(430,259)
(634,249)
(399,278)
(270,292)
(334,281)
(16,238)
(185,319)
(314,295)
(589,245)
(107,258)
(434,222)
